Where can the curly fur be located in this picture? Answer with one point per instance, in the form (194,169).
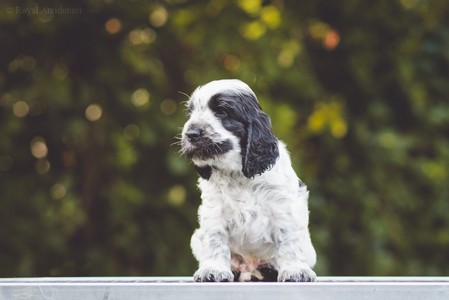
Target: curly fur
(254,212)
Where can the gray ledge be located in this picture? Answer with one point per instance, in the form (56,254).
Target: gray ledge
(136,288)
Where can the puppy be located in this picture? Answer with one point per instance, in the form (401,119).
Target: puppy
(254,213)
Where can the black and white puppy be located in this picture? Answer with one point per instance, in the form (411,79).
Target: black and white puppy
(254,212)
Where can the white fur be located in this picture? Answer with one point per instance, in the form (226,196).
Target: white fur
(247,222)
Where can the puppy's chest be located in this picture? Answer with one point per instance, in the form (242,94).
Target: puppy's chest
(239,202)
(243,205)
(247,216)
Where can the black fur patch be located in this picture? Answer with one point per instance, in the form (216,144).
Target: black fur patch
(205,148)
(269,274)
(224,105)
(241,114)
(204,172)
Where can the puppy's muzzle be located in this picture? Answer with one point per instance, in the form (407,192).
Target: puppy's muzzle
(197,142)
(194,134)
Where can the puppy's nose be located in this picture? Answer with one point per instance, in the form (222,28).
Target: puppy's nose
(193,134)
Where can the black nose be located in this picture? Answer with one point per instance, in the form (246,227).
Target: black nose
(193,134)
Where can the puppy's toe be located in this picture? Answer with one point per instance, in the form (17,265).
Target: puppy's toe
(303,275)
(211,275)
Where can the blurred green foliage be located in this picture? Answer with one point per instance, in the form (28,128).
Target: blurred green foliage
(91,99)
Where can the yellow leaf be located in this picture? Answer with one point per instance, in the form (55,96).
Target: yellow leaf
(271,16)
(338,128)
(317,120)
(251,7)
(253,30)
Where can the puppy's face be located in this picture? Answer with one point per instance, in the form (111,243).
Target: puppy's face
(213,128)
(225,124)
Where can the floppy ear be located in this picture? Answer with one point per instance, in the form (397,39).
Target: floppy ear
(260,147)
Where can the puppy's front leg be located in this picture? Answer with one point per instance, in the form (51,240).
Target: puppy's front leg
(295,256)
(211,249)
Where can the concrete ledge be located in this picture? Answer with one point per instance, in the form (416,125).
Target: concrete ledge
(136,288)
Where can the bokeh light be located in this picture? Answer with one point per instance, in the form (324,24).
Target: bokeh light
(39,148)
(158,16)
(140,97)
(113,25)
(21,109)
(131,132)
(143,36)
(94,112)
(42,166)
(168,107)
(58,191)
(177,195)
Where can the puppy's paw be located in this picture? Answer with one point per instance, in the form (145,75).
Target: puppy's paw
(212,275)
(305,274)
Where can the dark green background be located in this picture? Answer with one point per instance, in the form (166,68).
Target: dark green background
(357,89)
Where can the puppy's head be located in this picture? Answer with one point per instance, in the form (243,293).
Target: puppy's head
(228,129)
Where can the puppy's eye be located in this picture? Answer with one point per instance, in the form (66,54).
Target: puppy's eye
(221,112)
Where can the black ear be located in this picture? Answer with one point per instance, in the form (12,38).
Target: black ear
(204,172)
(260,147)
